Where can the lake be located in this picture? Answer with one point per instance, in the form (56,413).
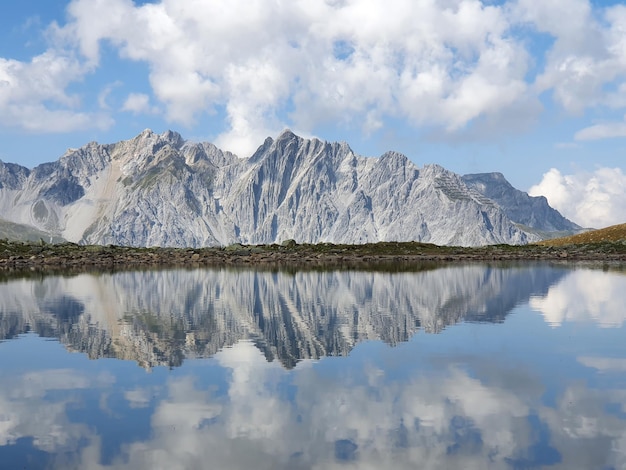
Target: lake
(473,366)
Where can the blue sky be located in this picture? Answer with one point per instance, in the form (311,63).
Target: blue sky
(535,90)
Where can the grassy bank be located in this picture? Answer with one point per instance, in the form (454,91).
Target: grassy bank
(608,245)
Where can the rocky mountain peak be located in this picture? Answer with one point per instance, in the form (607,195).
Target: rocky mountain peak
(395,160)
(435,169)
(148,137)
(534,212)
(262,150)
(12,176)
(287,143)
(174,138)
(286,135)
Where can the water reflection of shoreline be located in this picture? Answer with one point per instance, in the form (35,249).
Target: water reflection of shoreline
(160,318)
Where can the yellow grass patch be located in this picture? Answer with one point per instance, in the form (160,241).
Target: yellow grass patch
(614,233)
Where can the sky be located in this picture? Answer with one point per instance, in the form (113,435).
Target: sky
(533,89)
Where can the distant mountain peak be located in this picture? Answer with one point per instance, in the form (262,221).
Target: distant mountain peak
(393,155)
(533,212)
(174,138)
(287,134)
(169,136)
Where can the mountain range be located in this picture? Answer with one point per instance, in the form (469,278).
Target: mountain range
(160,190)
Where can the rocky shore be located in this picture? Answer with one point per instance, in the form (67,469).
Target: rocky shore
(16,256)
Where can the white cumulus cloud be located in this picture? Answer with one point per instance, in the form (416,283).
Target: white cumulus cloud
(33,95)
(604,364)
(591,199)
(588,51)
(453,67)
(604,130)
(139,103)
(303,64)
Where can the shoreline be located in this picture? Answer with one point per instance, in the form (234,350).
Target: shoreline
(42,257)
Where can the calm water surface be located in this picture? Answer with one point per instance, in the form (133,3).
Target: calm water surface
(469,367)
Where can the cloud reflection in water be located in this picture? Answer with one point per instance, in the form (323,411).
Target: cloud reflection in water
(426,401)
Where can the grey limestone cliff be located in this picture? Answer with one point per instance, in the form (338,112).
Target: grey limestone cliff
(532,212)
(162,190)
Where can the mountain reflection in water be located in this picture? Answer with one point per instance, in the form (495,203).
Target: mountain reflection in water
(159,318)
(532,375)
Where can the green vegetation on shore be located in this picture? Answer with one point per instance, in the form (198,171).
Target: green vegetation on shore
(42,256)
